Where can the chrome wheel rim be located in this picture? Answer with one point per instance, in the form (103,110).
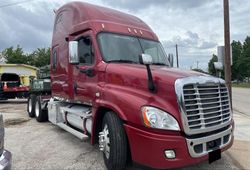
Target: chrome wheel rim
(30,106)
(104,141)
(37,109)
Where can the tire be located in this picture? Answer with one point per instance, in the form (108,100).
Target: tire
(31,105)
(41,115)
(116,158)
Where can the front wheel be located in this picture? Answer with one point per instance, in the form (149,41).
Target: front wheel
(41,115)
(113,142)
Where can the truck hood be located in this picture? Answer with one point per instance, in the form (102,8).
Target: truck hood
(169,75)
(160,73)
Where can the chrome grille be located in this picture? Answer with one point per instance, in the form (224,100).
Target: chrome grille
(206,105)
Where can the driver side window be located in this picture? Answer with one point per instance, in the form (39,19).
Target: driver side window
(86,55)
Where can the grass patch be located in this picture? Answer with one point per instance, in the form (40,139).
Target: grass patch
(242,85)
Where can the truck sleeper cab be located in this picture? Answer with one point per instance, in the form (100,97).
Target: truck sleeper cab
(112,82)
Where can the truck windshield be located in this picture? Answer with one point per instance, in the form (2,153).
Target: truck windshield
(126,49)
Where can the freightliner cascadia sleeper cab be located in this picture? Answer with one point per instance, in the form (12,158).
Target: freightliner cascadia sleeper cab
(112,82)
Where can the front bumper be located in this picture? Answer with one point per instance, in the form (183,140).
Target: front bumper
(148,148)
(201,146)
(5,160)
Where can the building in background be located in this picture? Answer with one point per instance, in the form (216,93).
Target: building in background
(15,80)
(25,72)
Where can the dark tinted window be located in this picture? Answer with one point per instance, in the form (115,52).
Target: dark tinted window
(155,50)
(54,60)
(85,51)
(115,47)
(119,47)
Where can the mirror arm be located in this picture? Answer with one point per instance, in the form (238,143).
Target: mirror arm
(146,59)
(151,85)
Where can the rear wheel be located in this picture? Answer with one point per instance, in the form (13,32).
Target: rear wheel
(113,142)
(31,105)
(41,115)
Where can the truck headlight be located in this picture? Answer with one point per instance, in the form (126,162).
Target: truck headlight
(156,118)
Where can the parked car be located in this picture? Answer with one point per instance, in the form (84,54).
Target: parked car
(5,156)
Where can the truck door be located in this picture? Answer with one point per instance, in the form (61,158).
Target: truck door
(84,75)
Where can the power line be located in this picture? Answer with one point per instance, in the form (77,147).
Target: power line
(14,3)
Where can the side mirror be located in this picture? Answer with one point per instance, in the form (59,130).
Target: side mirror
(145,59)
(73,52)
(171,60)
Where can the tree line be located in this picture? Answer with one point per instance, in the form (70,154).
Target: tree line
(38,58)
(240,58)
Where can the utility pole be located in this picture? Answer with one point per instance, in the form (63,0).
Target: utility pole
(177,57)
(227,60)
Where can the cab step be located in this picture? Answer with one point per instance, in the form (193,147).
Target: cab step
(74,132)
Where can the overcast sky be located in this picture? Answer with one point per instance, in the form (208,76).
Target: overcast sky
(195,25)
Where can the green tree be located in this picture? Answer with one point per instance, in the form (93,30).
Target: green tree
(15,55)
(246,57)
(40,57)
(241,59)
(237,50)
(211,69)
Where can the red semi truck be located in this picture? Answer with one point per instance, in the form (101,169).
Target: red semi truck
(112,82)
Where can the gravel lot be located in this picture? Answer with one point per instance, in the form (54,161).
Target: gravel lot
(44,146)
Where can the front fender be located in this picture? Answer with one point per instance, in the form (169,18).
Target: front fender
(127,103)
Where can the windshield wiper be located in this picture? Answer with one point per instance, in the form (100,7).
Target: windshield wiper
(133,62)
(121,61)
(160,64)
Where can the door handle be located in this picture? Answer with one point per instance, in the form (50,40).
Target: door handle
(89,72)
(75,88)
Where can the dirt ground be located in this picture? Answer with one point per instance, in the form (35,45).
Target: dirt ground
(44,146)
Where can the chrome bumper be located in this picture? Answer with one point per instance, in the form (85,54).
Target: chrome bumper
(5,160)
(202,146)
